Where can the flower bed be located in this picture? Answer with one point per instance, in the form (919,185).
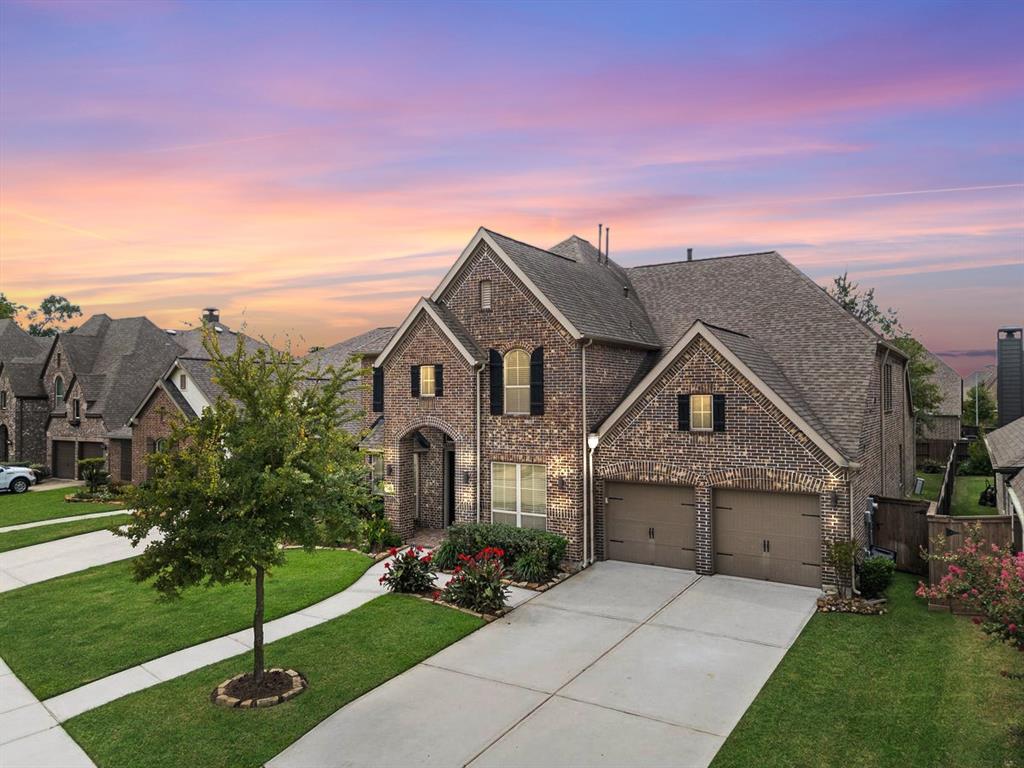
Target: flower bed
(94,498)
(532,556)
(836,604)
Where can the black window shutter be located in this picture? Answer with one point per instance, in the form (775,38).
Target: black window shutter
(497,366)
(438,381)
(414,379)
(537,382)
(718,412)
(378,390)
(684,413)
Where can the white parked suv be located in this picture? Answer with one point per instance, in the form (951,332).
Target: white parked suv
(16,479)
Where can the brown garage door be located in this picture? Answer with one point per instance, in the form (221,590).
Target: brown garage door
(652,524)
(771,536)
(64,459)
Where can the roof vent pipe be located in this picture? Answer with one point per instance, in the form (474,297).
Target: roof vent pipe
(606,231)
(689,254)
(600,229)
(625,291)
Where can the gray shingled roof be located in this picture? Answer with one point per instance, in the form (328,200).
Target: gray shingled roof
(17,344)
(589,294)
(457,329)
(825,355)
(191,341)
(365,344)
(201,371)
(25,378)
(117,362)
(1006,445)
(950,387)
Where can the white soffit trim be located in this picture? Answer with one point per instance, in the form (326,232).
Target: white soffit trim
(423,306)
(699,329)
(483,234)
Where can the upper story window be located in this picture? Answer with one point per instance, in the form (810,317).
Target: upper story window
(485,294)
(700,412)
(887,388)
(428,381)
(58,390)
(77,408)
(517,382)
(182,382)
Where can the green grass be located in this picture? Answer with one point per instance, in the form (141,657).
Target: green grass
(910,689)
(966,489)
(174,723)
(932,486)
(63,633)
(30,536)
(17,508)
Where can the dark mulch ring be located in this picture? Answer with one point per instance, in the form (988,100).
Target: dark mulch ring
(276,687)
(837,604)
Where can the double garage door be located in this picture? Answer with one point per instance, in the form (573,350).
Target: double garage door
(65,463)
(769,536)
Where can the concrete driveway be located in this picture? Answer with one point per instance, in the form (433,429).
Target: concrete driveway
(621,665)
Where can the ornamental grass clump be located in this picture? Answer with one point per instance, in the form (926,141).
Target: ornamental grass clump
(409,571)
(476,584)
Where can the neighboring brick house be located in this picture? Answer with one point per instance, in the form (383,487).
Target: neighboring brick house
(1006,449)
(946,419)
(94,379)
(23,405)
(721,414)
(185,386)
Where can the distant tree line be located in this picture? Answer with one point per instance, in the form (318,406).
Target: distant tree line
(53,315)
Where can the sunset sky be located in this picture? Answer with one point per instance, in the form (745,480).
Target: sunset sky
(313,168)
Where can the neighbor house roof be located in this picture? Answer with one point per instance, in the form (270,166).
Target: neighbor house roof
(823,357)
(1006,445)
(367,344)
(18,344)
(116,363)
(191,341)
(951,387)
(25,378)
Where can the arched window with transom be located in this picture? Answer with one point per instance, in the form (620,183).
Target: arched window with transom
(58,390)
(517,382)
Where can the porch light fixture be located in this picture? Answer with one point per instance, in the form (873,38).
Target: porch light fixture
(592,440)
(466,477)
(561,483)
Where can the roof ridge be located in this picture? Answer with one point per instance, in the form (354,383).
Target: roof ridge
(709,258)
(531,245)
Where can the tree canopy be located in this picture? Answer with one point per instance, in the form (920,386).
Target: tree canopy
(53,315)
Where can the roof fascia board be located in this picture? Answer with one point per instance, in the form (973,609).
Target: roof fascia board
(424,306)
(700,329)
(484,235)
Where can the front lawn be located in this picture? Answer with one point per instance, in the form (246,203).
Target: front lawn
(174,724)
(966,490)
(63,633)
(909,689)
(17,508)
(29,536)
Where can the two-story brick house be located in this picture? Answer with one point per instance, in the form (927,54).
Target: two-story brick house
(722,414)
(23,405)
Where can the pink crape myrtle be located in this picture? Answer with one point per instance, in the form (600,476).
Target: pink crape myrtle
(988,580)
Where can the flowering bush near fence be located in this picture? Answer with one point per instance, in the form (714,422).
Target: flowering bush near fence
(988,580)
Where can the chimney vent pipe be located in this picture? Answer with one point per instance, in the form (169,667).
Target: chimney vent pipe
(211,315)
(689,254)
(607,230)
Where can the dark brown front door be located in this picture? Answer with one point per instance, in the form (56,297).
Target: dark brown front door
(769,536)
(3,442)
(64,459)
(652,524)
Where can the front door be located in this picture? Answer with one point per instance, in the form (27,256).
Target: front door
(651,524)
(3,443)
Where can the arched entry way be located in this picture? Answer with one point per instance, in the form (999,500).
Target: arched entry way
(427,477)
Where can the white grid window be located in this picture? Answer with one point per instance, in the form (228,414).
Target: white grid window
(700,412)
(517,383)
(519,494)
(427,381)
(485,294)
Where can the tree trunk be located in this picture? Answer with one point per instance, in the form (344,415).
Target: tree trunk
(257,628)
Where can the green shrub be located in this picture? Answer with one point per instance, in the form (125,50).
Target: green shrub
(876,575)
(476,584)
(376,534)
(41,471)
(470,538)
(978,461)
(842,556)
(409,571)
(532,565)
(94,472)
(931,466)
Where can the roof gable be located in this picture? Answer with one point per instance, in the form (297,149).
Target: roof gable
(1006,445)
(444,320)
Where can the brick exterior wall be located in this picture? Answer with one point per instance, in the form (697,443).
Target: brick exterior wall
(25,420)
(942,428)
(760,450)
(152,424)
(89,429)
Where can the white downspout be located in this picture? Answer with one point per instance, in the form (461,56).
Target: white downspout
(590,473)
(479,371)
(586,475)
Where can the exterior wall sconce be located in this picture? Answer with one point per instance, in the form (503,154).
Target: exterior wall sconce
(391,469)
(592,440)
(561,483)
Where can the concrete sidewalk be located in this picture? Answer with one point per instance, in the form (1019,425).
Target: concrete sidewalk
(41,562)
(58,520)
(29,734)
(621,665)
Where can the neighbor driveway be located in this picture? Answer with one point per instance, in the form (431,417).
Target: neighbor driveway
(621,665)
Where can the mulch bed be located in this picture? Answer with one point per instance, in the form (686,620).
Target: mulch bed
(72,499)
(276,687)
(837,604)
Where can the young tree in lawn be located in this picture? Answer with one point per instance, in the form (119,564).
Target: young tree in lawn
(267,463)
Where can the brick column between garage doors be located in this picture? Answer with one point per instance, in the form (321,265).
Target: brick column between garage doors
(702,504)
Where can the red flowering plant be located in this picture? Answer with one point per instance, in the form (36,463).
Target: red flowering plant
(408,571)
(988,580)
(476,582)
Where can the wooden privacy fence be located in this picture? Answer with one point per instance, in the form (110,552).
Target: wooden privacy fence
(946,533)
(946,491)
(902,526)
(938,450)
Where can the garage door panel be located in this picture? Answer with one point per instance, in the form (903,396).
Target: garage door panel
(652,524)
(747,566)
(794,572)
(631,551)
(674,556)
(64,459)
